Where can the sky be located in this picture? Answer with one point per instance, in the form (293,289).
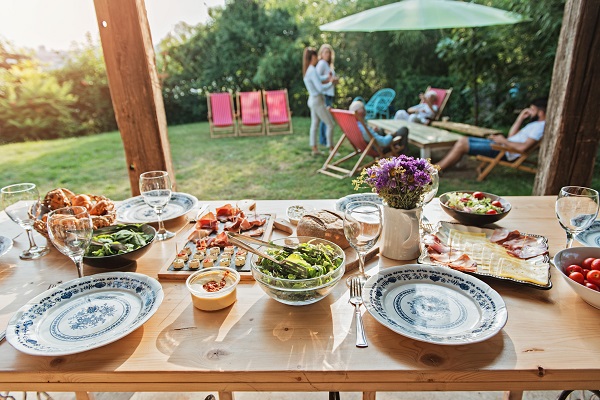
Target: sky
(56,24)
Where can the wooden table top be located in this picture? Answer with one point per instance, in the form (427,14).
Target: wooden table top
(550,341)
(470,130)
(417,133)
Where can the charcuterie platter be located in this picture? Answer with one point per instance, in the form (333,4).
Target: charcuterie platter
(499,253)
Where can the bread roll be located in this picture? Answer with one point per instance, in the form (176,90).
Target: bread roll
(323,224)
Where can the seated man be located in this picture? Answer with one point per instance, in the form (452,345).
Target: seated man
(422,113)
(519,139)
(400,137)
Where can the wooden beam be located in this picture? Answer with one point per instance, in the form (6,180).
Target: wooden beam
(572,128)
(134,86)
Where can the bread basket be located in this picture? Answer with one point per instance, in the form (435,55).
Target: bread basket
(101,208)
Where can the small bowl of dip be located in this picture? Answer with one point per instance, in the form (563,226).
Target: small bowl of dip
(213,288)
(294,213)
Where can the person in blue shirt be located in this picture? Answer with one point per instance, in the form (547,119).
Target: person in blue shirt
(400,137)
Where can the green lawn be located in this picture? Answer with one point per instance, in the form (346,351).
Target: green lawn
(274,167)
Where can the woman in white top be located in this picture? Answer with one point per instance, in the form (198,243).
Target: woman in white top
(325,69)
(316,99)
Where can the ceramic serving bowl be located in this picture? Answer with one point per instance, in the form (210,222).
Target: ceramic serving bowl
(298,292)
(121,260)
(576,255)
(467,218)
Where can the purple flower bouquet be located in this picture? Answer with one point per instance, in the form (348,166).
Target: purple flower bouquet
(401,181)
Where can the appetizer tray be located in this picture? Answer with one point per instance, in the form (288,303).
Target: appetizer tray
(497,266)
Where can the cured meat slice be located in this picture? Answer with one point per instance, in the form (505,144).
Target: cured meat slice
(256,221)
(234,225)
(220,240)
(502,235)
(528,251)
(245,224)
(208,221)
(227,211)
(254,232)
(456,260)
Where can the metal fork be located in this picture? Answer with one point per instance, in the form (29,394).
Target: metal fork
(356,300)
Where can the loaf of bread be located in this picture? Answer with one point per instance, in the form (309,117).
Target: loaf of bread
(323,224)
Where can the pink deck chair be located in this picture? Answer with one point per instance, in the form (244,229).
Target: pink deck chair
(278,115)
(442,98)
(220,115)
(250,114)
(348,122)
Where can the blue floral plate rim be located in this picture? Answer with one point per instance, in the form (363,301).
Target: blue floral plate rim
(482,310)
(5,245)
(83,306)
(135,211)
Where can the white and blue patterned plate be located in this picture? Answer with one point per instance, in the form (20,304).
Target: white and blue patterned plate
(340,204)
(136,211)
(591,236)
(84,313)
(434,304)
(5,245)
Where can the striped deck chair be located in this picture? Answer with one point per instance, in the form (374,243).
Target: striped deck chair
(277,112)
(348,122)
(250,114)
(220,115)
(442,98)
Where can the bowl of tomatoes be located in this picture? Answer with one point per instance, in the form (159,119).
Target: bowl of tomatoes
(474,208)
(580,267)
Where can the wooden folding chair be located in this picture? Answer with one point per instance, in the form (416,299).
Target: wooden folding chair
(278,116)
(250,114)
(221,120)
(348,122)
(442,98)
(489,163)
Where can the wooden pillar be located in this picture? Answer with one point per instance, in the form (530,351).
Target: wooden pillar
(134,86)
(572,128)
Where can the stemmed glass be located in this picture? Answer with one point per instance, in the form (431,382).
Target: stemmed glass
(362,227)
(70,230)
(22,204)
(435,184)
(155,187)
(576,210)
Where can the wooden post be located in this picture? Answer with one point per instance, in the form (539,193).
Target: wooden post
(134,86)
(573,121)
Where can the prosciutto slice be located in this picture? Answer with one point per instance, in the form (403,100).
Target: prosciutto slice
(208,221)
(455,260)
(502,235)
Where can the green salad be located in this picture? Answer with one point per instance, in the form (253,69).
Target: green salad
(475,203)
(131,236)
(317,259)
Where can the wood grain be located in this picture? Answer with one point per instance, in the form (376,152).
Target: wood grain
(550,341)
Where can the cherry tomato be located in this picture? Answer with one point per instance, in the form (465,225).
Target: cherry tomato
(590,285)
(587,263)
(478,195)
(593,277)
(595,264)
(496,203)
(577,277)
(491,212)
(585,271)
(464,200)
(574,268)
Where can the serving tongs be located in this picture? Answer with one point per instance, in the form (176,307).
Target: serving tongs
(287,265)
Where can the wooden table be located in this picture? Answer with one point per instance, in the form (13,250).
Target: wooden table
(550,341)
(466,129)
(424,137)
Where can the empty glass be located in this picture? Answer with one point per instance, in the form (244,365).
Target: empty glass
(22,204)
(362,227)
(576,210)
(155,187)
(435,184)
(70,229)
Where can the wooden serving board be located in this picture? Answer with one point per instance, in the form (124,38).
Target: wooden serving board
(167,271)
(282,225)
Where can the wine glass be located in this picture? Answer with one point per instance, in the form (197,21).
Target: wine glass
(70,230)
(22,204)
(435,184)
(362,227)
(576,210)
(155,187)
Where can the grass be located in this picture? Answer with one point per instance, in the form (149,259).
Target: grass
(273,167)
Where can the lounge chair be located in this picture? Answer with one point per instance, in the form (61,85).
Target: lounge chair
(250,114)
(442,98)
(379,104)
(522,163)
(221,119)
(278,116)
(367,153)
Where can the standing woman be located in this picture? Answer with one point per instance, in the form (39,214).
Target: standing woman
(316,99)
(325,69)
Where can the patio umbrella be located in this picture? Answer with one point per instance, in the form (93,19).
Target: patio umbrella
(423,14)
